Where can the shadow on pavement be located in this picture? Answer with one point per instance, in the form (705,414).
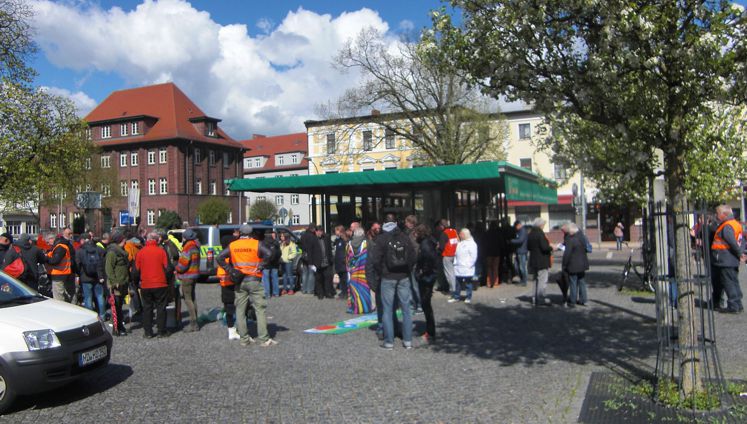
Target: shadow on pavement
(605,335)
(95,383)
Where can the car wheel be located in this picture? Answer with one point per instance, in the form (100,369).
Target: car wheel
(7,395)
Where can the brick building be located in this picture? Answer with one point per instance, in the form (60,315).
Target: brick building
(161,143)
(279,156)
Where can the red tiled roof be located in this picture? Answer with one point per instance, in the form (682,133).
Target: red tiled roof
(270,146)
(167,103)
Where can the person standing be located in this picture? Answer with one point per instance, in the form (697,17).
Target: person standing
(246,255)
(324,273)
(393,257)
(173,248)
(340,245)
(31,256)
(411,221)
(288,255)
(540,260)
(90,261)
(62,267)
(117,268)
(465,259)
(227,288)
(272,265)
(618,232)
(727,249)
(187,274)
(6,241)
(357,264)
(152,265)
(311,257)
(493,254)
(519,242)
(575,264)
(448,244)
(426,271)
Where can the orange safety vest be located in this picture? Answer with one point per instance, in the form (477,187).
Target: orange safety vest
(451,245)
(719,243)
(65,265)
(223,277)
(245,256)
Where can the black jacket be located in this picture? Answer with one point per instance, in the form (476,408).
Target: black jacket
(520,241)
(272,245)
(539,250)
(575,260)
(378,255)
(327,258)
(32,257)
(89,246)
(340,254)
(427,263)
(312,254)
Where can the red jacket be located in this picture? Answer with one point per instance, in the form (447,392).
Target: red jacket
(151,261)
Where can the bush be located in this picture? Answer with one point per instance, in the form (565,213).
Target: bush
(169,220)
(213,212)
(262,210)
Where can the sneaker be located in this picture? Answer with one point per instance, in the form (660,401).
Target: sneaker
(452,300)
(387,346)
(269,343)
(232,334)
(407,345)
(467,300)
(246,342)
(291,292)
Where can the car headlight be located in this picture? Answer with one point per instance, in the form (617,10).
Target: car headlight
(41,339)
(103,325)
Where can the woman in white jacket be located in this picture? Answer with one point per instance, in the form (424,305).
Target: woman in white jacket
(464,266)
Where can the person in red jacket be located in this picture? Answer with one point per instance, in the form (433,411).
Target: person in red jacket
(152,265)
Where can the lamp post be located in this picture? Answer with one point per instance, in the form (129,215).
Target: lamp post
(312,205)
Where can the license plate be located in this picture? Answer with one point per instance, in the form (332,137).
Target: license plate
(92,356)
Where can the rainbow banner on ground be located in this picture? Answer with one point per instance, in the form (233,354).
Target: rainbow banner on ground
(342,327)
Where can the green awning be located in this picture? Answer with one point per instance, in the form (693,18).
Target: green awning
(524,185)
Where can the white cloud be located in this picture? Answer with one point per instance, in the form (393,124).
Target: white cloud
(269,83)
(406,25)
(83,103)
(265,25)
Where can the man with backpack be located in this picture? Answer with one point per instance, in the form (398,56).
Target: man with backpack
(31,257)
(90,261)
(393,258)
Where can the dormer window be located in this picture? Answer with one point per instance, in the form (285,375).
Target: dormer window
(123,130)
(106,131)
(210,129)
(135,128)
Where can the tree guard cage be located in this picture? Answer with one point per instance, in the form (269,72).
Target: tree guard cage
(468,192)
(684,295)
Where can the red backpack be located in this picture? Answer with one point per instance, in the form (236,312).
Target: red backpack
(16,268)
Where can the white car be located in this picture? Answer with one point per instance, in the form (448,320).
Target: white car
(45,343)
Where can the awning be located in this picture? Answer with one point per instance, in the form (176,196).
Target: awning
(521,184)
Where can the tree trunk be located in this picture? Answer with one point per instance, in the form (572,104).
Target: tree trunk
(689,352)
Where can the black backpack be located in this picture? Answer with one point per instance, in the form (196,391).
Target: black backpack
(91,260)
(396,253)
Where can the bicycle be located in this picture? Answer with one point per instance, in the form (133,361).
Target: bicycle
(646,277)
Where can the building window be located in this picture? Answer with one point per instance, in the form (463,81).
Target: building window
(162,155)
(294,159)
(106,190)
(88,133)
(211,158)
(135,128)
(52,220)
(525,131)
(279,200)
(296,220)
(331,144)
(198,155)
(526,163)
(257,162)
(261,198)
(280,159)
(213,188)
(230,218)
(560,172)
(211,129)
(123,130)
(390,167)
(106,161)
(151,186)
(62,220)
(163,186)
(151,217)
(123,159)
(135,185)
(106,131)
(151,157)
(226,160)
(123,188)
(389,139)
(367,140)
(294,199)
(88,163)
(88,187)
(198,186)
(133,158)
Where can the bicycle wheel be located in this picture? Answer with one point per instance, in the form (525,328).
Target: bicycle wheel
(625,274)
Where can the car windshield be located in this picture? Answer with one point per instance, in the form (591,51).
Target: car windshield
(13,291)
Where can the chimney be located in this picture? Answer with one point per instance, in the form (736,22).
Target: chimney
(375,112)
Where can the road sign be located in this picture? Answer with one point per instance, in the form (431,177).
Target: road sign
(88,200)
(124,218)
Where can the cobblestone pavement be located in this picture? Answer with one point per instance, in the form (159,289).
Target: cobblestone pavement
(498,361)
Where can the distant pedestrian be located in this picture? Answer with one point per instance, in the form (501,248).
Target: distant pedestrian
(227,288)
(340,248)
(311,259)
(618,233)
(6,241)
(117,268)
(426,271)
(289,258)
(464,266)
(493,254)
(62,267)
(540,260)
(519,242)
(411,221)
(31,256)
(575,264)
(448,244)
(323,287)
(90,260)
(271,265)
(187,274)
(357,262)
(727,250)
(152,264)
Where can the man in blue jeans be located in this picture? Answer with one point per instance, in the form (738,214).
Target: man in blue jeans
(270,272)
(393,258)
(519,243)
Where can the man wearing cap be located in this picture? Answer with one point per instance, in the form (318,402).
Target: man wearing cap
(63,267)
(245,268)
(187,274)
(32,257)
(117,268)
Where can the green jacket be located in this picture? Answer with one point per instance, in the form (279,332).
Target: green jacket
(117,266)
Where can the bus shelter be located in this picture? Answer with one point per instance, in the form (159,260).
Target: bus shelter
(462,193)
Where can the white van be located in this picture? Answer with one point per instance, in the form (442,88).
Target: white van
(45,343)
